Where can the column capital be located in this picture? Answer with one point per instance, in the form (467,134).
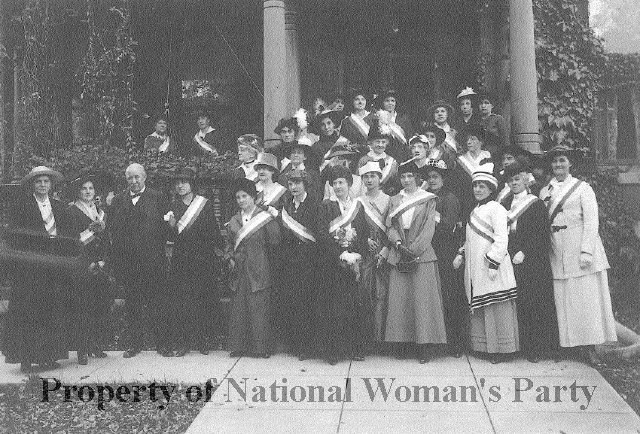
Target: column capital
(267,4)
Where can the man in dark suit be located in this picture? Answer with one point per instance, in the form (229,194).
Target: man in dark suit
(138,257)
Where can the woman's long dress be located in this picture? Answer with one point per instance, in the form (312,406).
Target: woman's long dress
(93,296)
(339,313)
(494,327)
(375,280)
(582,297)
(416,311)
(250,325)
(529,234)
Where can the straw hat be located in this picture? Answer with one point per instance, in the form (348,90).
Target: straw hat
(55,176)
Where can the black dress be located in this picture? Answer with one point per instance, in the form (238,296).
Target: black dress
(38,319)
(93,297)
(537,320)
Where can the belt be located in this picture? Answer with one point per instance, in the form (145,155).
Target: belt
(555,229)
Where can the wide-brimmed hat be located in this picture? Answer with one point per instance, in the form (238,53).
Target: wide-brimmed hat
(184,173)
(565,150)
(335,116)
(354,93)
(252,140)
(83,177)
(514,150)
(438,165)
(467,92)
(440,103)
(369,167)
(409,166)
(246,185)
(439,132)
(297,175)
(514,169)
(268,160)
(476,130)
(314,159)
(54,175)
(337,172)
(291,123)
(343,149)
(378,130)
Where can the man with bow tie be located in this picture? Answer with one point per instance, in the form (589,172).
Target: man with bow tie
(138,233)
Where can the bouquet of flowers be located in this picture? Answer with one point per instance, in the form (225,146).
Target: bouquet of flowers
(345,238)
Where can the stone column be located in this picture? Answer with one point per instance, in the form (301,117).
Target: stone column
(275,65)
(524,90)
(293,59)
(4,67)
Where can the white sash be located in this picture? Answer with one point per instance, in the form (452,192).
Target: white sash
(50,224)
(191,214)
(346,218)
(397,132)
(284,163)
(275,195)
(371,213)
(87,235)
(360,124)
(468,164)
(503,193)
(249,173)
(204,145)
(252,226)
(165,145)
(521,207)
(563,196)
(420,198)
(298,229)
(386,170)
(480,227)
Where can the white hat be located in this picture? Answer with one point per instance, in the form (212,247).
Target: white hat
(371,166)
(485,173)
(42,171)
(467,91)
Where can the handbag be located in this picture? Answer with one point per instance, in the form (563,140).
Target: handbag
(406,265)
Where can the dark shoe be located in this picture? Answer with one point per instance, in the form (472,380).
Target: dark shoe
(302,357)
(236,354)
(456,352)
(131,352)
(358,358)
(204,351)
(99,354)
(261,355)
(533,357)
(167,353)
(26,367)
(333,360)
(48,366)
(82,359)
(497,358)
(181,352)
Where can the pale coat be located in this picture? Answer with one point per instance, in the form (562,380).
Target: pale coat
(476,274)
(580,215)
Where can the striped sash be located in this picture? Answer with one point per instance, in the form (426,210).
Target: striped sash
(467,164)
(191,214)
(302,233)
(87,235)
(503,194)
(254,225)
(386,170)
(397,132)
(371,214)
(481,227)
(204,145)
(249,172)
(515,212)
(555,206)
(421,198)
(346,218)
(277,193)
(360,124)
(50,224)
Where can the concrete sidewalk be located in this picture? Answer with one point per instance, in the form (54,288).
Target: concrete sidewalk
(282,394)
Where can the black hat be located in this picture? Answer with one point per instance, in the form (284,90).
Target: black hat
(409,167)
(514,169)
(474,130)
(313,158)
(514,150)
(439,132)
(571,153)
(440,103)
(84,176)
(438,165)
(184,173)
(338,172)
(334,115)
(343,149)
(355,92)
(246,185)
(378,131)
(291,123)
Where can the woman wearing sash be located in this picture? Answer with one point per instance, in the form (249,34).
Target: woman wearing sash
(439,115)
(341,313)
(446,239)
(159,140)
(194,244)
(529,245)
(355,127)
(327,124)
(207,140)
(254,235)
(508,156)
(578,260)
(375,276)
(488,273)
(288,130)
(93,299)
(399,125)
(270,193)
(438,147)
(378,139)
(298,284)
(302,156)
(467,164)
(416,313)
(35,331)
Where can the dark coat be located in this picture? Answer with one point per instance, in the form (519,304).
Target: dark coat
(215,139)
(537,319)
(78,222)
(138,231)
(307,214)
(314,186)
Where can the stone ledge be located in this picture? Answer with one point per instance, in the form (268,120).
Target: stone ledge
(630,177)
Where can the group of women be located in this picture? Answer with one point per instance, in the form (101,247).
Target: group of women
(353,236)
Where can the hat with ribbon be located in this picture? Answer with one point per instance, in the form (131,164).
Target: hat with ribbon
(37,171)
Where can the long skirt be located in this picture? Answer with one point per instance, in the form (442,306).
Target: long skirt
(249,328)
(416,312)
(583,304)
(294,306)
(494,328)
(375,283)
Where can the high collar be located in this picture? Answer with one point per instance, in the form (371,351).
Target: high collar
(485,200)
